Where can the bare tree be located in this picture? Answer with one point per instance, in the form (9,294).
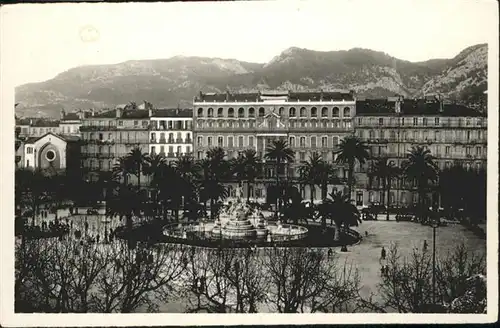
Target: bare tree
(137,278)
(406,286)
(307,280)
(225,280)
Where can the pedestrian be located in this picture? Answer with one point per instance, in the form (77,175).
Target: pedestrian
(97,238)
(383,253)
(425,245)
(329,252)
(366,233)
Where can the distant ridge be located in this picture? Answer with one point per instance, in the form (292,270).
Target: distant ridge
(175,81)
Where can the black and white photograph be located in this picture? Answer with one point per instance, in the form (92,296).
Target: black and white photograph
(327,158)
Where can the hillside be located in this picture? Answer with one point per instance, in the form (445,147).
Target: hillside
(174,81)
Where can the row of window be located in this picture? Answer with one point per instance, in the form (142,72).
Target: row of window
(40,131)
(171,150)
(178,137)
(172,125)
(344,124)
(112,123)
(436,150)
(425,121)
(426,135)
(121,137)
(291,112)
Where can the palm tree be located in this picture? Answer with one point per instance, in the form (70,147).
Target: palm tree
(137,161)
(31,189)
(124,202)
(151,169)
(280,153)
(216,169)
(252,166)
(352,150)
(420,167)
(308,172)
(340,211)
(122,170)
(386,171)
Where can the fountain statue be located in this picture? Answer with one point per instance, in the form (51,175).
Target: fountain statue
(241,221)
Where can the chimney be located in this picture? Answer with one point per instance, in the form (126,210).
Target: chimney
(398,105)
(63,113)
(150,111)
(31,121)
(92,111)
(118,112)
(227,95)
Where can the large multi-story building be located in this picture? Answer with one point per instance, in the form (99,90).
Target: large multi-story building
(68,125)
(391,127)
(317,121)
(108,135)
(308,121)
(171,132)
(112,134)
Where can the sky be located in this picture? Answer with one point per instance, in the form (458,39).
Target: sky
(41,41)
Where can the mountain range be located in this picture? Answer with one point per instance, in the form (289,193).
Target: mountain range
(175,81)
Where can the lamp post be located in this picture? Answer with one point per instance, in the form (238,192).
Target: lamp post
(434,225)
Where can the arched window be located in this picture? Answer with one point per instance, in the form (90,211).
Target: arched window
(261,112)
(210,112)
(162,137)
(336,112)
(251,112)
(240,141)
(347,112)
(230,112)
(179,137)
(324,112)
(372,134)
(314,112)
(302,141)
(200,112)
(303,112)
(241,112)
(170,137)
(220,112)
(281,111)
(153,136)
(292,142)
(292,112)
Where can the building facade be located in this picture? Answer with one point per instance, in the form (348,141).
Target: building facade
(68,125)
(50,152)
(171,132)
(454,134)
(309,122)
(109,135)
(112,134)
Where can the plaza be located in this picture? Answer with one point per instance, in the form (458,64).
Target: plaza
(364,256)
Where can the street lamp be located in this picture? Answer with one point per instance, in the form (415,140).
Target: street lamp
(434,224)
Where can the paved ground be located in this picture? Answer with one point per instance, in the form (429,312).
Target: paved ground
(365,255)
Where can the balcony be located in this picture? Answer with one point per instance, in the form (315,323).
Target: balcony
(170,141)
(178,140)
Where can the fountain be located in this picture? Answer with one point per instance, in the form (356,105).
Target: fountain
(239,221)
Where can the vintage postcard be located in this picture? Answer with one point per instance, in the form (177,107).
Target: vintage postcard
(207,163)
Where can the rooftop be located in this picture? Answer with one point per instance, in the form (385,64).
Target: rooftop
(426,106)
(336,95)
(173,112)
(71,117)
(126,114)
(31,140)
